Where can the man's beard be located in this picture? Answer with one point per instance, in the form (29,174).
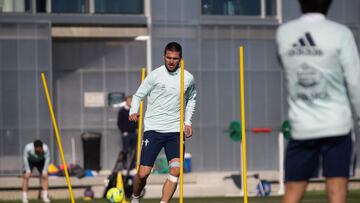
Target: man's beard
(171,71)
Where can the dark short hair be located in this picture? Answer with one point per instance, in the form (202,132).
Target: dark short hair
(315,6)
(38,143)
(173,46)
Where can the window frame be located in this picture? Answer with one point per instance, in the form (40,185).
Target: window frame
(261,19)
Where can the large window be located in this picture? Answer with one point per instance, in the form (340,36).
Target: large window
(69,6)
(239,7)
(119,6)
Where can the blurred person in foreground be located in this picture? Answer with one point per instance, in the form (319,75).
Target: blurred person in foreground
(36,154)
(322,68)
(162,119)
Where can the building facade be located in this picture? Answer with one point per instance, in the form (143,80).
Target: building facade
(94,48)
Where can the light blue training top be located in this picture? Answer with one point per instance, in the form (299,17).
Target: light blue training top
(30,155)
(162,89)
(322,68)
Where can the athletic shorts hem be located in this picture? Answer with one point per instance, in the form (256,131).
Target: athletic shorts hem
(305,158)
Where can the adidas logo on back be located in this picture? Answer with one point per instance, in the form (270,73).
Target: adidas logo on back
(305,46)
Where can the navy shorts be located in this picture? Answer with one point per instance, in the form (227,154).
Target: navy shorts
(305,157)
(152,144)
(38,165)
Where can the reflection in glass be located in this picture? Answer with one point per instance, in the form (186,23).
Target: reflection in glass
(236,7)
(119,6)
(271,7)
(19,6)
(14,5)
(69,6)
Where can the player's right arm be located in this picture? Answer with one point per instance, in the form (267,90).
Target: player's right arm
(26,160)
(349,58)
(144,89)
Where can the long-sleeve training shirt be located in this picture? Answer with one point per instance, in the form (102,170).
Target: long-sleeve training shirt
(162,89)
(322,68)
(30,155)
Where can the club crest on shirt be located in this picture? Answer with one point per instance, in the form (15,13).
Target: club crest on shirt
(311,84)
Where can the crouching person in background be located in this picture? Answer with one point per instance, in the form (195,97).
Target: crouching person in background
(36,154)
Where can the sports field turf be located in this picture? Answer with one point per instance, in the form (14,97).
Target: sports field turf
(311,197)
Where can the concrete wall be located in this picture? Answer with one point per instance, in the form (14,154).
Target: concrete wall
(93,66)
(210,52)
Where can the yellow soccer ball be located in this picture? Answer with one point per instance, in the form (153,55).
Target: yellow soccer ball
(115,195)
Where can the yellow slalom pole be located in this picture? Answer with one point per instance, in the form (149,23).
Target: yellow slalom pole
(57,136)
(181,191)
(243,131)
(120,184)
(143,72)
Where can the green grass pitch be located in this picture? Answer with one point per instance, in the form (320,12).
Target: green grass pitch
(310,197)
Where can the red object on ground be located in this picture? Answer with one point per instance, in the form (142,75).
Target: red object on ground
(261,130)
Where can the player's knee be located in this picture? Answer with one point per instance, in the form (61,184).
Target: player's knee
(44,176)
(174,172)
(174,168)
(142,175)
(27,175)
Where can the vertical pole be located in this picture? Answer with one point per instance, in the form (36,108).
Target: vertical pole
(181,191)
(143,71)
(91,7)
(147,12)
(73,150)
(48,6)
(263,9)
(281,190)
(279,11)
(57,136)
(243,124)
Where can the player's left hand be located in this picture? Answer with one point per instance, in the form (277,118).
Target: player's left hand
(188,131)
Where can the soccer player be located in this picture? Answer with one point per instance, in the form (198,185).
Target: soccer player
(162,119)
(322,69)
(36,154)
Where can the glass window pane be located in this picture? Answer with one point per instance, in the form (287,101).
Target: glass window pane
(120,7)
(69,6)
(271,7)
(40,6)
(231,7)
(14,6)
